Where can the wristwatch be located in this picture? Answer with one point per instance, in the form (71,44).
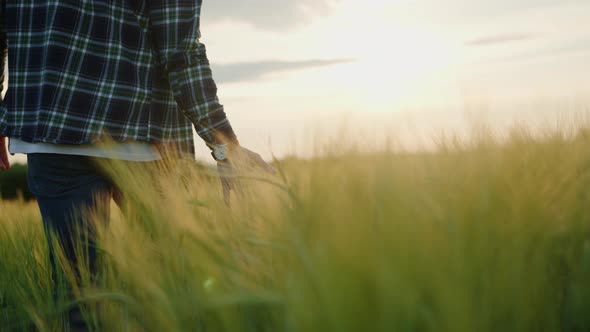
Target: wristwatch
(219,151)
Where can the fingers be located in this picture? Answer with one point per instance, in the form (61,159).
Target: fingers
(257,161)
(239,159)
(227,184)
(226,194)
(4,163)
(265,166)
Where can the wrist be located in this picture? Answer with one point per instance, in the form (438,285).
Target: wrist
(222,152)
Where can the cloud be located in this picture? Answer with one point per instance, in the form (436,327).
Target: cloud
(569,50)
(499,39)
(240,72)
(267,14)
(470,12)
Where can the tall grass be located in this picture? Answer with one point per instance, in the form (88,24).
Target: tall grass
(480,235)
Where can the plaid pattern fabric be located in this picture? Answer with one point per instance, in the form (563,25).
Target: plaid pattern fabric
(80,70)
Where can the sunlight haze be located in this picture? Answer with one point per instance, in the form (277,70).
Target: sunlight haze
(377,63)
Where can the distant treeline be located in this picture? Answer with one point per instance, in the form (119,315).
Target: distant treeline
(13,183)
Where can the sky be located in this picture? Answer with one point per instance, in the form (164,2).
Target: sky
(294,74)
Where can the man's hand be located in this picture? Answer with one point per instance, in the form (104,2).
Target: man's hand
(4,163)
(239,159)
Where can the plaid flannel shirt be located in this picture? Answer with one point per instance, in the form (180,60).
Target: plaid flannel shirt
(81,70)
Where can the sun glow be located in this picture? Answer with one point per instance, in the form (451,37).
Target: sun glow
(403,64)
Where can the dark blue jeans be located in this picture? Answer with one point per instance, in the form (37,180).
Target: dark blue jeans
(68,188)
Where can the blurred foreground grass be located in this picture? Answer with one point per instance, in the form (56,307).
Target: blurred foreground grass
(477,236)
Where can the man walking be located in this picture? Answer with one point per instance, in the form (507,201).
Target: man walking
(82,71)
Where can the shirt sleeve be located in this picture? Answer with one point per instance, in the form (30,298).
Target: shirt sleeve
(174,28)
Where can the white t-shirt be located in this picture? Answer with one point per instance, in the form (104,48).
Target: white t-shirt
(131,151)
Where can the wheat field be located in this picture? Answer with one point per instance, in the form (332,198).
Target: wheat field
(482,234)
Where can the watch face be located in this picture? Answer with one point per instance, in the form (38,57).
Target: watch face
(220,153)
